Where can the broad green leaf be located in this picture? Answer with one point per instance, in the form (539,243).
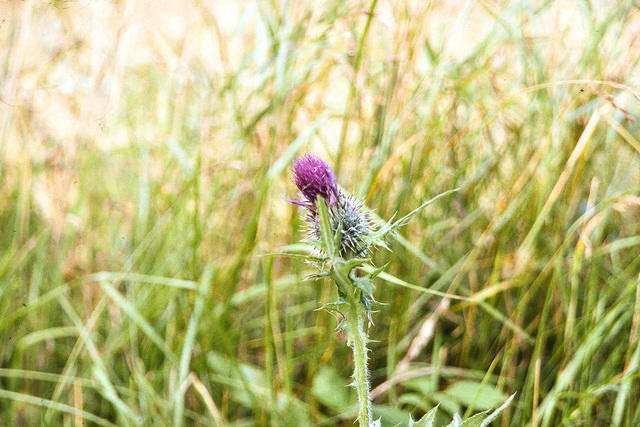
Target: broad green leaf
(423,385)
(246,382)
(331,389)
(414,399)
(476,395)
(391,416)
(292,411)
(447,403)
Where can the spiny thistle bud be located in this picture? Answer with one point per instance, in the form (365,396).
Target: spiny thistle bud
(315,178)
(353,222)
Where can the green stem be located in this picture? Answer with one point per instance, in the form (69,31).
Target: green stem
(356,319)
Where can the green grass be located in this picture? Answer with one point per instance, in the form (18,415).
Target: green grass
(145,159)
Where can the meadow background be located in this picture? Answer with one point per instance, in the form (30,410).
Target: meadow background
(145,152)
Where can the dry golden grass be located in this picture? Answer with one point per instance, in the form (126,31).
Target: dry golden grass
(153,139)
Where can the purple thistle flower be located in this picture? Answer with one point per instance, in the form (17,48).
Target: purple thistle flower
(315,178)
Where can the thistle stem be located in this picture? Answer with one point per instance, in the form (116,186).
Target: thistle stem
(356,317)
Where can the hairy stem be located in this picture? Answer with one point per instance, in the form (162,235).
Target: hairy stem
(356,319)
(355,316)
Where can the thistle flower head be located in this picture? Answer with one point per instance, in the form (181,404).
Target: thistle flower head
(315,178)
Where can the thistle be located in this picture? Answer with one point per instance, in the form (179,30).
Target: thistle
(341,230)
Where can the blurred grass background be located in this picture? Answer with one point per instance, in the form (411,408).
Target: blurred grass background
(145,151)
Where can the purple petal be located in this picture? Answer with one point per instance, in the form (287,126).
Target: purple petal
(314,178)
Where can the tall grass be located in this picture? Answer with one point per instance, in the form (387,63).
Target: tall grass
(144,162)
